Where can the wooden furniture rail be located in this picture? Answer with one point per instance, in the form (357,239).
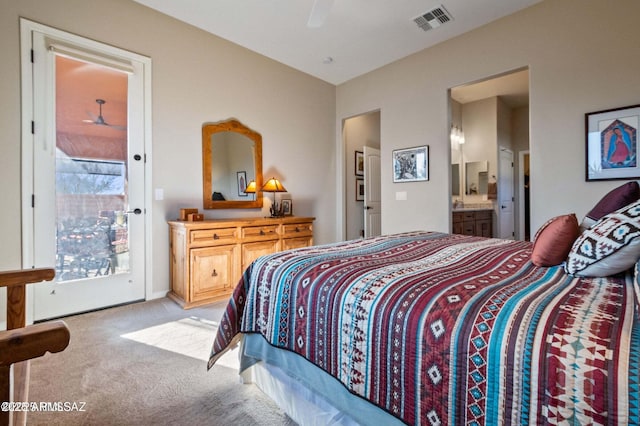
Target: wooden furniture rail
(18,344)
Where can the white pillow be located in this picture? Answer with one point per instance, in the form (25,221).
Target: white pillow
(610,246)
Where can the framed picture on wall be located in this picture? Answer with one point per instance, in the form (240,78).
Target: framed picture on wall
(242,183)
(411,164)
(359,189)
(612,144)
(359,164)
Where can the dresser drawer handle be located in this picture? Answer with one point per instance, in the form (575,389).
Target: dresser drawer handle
(297,230)
(261,232)
(215,237)
(214,273)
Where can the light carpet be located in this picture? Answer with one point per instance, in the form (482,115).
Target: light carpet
(145,364)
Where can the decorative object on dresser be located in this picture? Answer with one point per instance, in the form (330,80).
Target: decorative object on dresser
(184,213)
(473,222)
(287,207)
(273,185)
(207,258)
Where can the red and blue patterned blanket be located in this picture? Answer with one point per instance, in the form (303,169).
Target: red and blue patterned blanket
(447,329)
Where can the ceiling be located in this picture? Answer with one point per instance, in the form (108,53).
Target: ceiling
(356,37)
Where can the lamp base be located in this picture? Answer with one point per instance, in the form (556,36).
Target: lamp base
(276,210)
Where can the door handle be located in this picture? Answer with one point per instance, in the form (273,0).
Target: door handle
(134,211)
(367,207)
(503,207)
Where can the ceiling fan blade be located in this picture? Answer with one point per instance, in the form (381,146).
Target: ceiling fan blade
(116,127)
(319,13)
(92,116)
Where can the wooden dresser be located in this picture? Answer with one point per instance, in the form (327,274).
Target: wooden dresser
(473,222)
(208,258)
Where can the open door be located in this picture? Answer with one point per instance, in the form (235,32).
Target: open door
(372,211)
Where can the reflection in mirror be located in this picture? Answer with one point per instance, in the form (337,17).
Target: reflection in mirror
(231,158)
(232,165)
(455,179)
(477,177)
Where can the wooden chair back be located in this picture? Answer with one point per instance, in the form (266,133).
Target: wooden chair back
(19,344)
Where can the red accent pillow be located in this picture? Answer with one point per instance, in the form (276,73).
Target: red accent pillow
(615,200)
(552,243)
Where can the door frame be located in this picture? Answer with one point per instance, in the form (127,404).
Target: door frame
(521,208)
(29,140)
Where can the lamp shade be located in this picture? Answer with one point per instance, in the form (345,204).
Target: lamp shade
(273,185)
(251,188)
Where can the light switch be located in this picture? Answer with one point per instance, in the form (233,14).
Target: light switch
(159,194)
(401,195)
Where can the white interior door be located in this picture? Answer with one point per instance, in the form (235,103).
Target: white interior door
(88,173)
(372,198)
(506,223)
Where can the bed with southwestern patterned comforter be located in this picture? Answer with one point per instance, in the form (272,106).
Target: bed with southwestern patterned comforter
(439,329)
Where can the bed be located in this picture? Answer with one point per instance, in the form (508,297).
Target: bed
(433,329)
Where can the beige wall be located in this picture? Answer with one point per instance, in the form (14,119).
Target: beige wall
(197,78)
(578,63)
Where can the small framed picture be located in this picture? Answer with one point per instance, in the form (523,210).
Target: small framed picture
(287,207)
(242,183)
(411,164)
(359,164)
(612,144)
(359,189)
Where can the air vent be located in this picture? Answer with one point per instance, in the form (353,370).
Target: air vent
(433,18)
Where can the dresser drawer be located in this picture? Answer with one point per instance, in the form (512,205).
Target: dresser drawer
(264,232)
(468,216)
(293,230)
(209,237)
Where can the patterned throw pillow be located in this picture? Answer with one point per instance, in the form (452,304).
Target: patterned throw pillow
(610,246)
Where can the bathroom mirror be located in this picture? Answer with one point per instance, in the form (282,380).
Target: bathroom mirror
(231,158)
(477,177)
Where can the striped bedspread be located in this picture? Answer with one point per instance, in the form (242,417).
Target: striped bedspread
(443,329)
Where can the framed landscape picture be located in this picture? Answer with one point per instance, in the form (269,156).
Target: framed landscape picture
(359,163)
(411,164)
(612,144)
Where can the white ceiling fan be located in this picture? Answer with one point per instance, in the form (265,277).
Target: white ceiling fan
(319,13)
(99,120)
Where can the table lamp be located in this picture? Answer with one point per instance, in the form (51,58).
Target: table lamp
(274,185)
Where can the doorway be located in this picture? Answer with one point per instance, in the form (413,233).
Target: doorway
(84,171)
(491,116)
(358,132)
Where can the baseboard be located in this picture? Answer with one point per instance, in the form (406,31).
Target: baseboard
(157,295)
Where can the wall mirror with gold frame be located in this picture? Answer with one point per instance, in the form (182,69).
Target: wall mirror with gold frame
(231,158)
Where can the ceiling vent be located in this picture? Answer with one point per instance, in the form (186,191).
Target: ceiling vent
(433,18)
